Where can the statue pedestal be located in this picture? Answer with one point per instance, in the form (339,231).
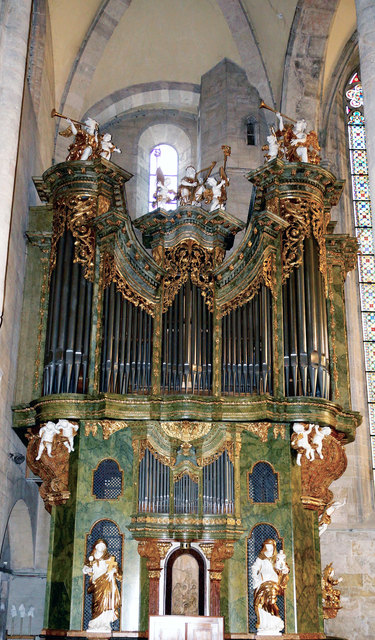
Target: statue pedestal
(185,628)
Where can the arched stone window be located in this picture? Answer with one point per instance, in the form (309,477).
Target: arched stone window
(164,159)
(154,136)
(263,483)
(364,232)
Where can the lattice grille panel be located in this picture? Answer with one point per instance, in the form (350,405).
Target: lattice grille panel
(107,482)
(263,485)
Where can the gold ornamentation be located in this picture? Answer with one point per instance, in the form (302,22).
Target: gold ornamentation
(279,430)
(207,548)
(333,331)
(53,470)
(158,254)
(330,595)
(222,550)
(215,575)
(186,430)
(111,273)
(163,548)
(188,259)
(186,472)
(58,228)
(154,574)
(91,427)
(146,444)
(149,549)
(103,205)
(317,474)
(266,275)
(260,429)
(227,446)
(303,216)
(42,311)
(79,212)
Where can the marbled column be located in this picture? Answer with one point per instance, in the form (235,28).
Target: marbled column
(215,578)
(366,37)
(13,50)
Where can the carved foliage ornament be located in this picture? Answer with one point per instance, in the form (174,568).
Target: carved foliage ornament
(76,213)
(266,275)
(330,595)
(304,216)
(51,464)
(186,430)
(317,474)
(188,259)
(111,273)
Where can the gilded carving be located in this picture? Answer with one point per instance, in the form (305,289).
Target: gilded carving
(222,550)
(317,474)
(111,273)
(266,275)
(188,259)
(330,595)
(149,549)
(42,310)
(163,548)
(186,430)
(146,444)
(108,427)
(279,430)
(52,469)
(186,472)
(260,429)
(207,548)
(77,214)
(227,446)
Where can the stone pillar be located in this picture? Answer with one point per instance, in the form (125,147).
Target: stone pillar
(13,51)
(366,37)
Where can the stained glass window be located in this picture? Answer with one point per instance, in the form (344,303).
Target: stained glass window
(163,177)
(364,233)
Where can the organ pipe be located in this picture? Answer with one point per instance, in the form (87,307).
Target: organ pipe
(68,325)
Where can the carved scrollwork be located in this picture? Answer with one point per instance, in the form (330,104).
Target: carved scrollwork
(111,273)
(146,444)
(318,474)
(330,595)
(304,217)
(52,469)
(266,275)
(222,550)
(186,430)
(188,259)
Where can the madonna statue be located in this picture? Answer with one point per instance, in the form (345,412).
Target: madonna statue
(270,577)
(103,571)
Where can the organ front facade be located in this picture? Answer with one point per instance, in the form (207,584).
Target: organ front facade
(206,388)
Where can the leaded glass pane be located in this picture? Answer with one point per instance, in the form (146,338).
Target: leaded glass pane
(366,268)
(357,137)
(356,117)
(360,187)
(359,161)
(371,413)
(367,292)
(362,210)
(355,95)
(371,386)
(365,240)
(368,326)
(370,356)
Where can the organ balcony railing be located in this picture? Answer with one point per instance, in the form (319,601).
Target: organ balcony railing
(174,316)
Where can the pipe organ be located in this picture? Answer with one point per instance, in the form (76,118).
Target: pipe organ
(213,382)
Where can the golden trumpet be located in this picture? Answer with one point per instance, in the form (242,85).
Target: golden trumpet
(263,105)
(55,114)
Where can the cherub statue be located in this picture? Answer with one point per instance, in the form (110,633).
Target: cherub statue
(300,441)
(299,146)
(68,430)
(86,143)
(107,147)
(188,186)
(273,146)
(215,193)
(47,434)
(318,437)
(270,574)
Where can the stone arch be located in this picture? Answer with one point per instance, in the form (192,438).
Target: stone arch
(303,70)
(20,537)
(152,95)
(152,136)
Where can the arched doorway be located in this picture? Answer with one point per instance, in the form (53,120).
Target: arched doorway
(185,583)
